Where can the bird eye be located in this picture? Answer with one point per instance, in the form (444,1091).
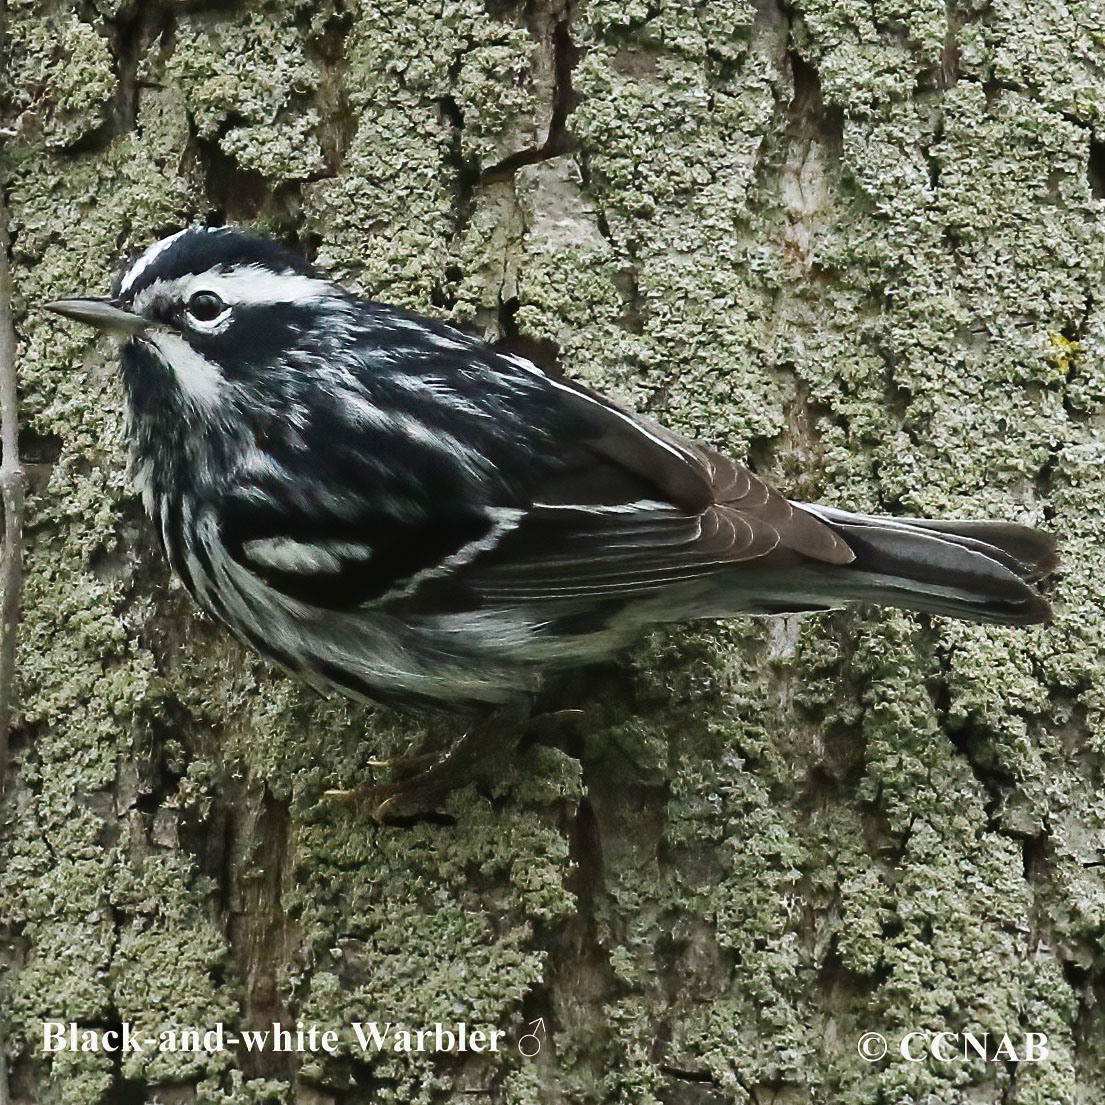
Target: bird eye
(205,306)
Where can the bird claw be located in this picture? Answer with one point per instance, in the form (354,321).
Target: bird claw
(387,802)
(416,761)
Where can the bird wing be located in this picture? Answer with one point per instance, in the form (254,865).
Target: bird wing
(705,512)
(448,473)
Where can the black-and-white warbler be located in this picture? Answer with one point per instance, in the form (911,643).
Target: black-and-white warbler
(387,506)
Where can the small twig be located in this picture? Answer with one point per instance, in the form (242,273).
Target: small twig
(12,479)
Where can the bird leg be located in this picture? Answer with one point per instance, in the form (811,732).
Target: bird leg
(439,773)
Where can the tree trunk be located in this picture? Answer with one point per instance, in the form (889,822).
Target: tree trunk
(858,243)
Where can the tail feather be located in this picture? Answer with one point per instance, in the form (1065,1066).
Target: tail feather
(981,571)
(1031,554)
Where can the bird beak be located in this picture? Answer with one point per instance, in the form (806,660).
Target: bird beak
(104,314)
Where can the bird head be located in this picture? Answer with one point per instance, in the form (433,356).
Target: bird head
(202,310)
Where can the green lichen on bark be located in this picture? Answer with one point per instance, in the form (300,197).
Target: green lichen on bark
(861,245)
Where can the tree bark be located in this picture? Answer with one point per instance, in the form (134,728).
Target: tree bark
(859,244)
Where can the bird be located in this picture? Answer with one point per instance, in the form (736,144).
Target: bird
(391,508)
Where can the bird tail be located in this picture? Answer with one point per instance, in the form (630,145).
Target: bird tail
(979,571)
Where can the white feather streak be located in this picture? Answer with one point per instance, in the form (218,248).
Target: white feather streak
(303,557)
(198,378)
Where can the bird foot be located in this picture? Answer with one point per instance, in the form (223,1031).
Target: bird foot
(431,776)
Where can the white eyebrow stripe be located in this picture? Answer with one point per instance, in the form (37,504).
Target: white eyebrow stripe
(147,258)
(254,285)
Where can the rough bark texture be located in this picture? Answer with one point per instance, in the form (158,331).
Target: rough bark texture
(860,243)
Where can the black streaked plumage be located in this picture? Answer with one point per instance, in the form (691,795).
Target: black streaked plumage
(387,506)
